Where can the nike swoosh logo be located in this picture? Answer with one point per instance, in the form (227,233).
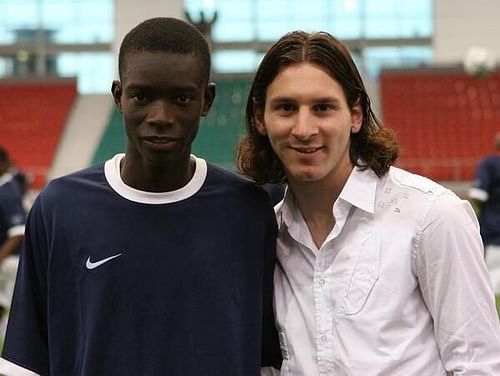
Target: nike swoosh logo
(92,265)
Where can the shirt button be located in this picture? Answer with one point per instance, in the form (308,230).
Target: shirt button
(323,338)
(321,281)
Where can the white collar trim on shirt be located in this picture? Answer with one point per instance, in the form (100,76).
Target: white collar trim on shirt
(359,191)
(113,176)
(5,178)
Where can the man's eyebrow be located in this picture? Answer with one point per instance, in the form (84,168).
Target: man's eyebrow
(282,99)
(324,99)
(173,88)
(137,87)
(334,100)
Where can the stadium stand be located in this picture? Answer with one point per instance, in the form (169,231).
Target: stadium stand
(33,115)
(220,130)
(112,140)
(445,119)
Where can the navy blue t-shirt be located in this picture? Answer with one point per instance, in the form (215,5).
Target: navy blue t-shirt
(115,281)
(488,181)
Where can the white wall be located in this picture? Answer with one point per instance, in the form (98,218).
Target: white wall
(82,134)
(459,24)
(128,13)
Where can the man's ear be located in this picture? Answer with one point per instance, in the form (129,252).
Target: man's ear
(356,117)
(116,90)
(258,121)
(208,98)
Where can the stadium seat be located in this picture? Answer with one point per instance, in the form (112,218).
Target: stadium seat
(445,120)
(32,119)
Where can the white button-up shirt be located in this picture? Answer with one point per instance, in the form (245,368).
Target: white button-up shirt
(398,288)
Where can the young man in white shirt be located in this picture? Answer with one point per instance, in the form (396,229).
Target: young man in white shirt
(380,271)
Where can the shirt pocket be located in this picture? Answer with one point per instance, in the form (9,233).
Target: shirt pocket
(362,277)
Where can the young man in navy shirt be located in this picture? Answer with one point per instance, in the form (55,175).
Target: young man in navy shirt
(485,194)
(12,223)
(156,262)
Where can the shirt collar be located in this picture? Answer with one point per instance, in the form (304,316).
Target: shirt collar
(359,191)
(113,177)
(286,210)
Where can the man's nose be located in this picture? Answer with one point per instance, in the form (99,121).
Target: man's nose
(304,126)
(161,113)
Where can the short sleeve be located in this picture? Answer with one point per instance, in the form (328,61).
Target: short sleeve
(26,338)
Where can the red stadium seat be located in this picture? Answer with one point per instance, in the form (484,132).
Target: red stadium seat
(445,120)
(32,118)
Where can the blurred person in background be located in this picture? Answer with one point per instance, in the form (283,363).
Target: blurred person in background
(380,271)
(12,224)
(22,177)
(485,195)
(154,262)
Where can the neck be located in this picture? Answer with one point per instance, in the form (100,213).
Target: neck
(156,177)
(315,201)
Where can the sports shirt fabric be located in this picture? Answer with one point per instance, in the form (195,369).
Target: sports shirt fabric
(380,296)
(486,188)
(116,281)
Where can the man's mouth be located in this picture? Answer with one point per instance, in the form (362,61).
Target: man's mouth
(306,150)
(160,143)
(159,140)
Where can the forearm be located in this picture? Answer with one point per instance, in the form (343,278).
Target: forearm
(10,246)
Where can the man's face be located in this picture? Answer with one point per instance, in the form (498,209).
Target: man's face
(309,124)
(162,97)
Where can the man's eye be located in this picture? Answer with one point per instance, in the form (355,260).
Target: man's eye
(323,107)
(286,107)
(140,98)
(183,99)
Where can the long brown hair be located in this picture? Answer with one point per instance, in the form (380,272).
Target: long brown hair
(372,147)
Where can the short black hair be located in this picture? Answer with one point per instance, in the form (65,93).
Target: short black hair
(4,156)
(4,161)
(166,34)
